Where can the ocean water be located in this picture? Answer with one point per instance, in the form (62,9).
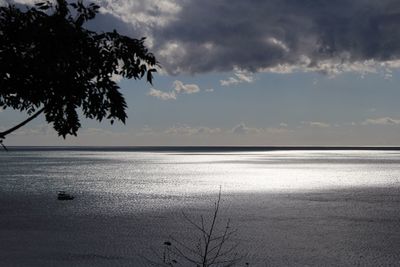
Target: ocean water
(179,173)
(291,207)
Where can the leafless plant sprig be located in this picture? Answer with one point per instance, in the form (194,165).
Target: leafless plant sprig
(213,247)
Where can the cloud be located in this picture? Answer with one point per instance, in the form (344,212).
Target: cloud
(178,88)
(266,35)
(316,124)
(263,35)
(241,128)
(162,95)
(241,76)
(381,121)
(189,130)
(147,14)
(22,2)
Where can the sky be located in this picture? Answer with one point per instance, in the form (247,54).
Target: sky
(250,73)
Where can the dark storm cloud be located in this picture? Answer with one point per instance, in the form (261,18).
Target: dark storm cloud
(214,35)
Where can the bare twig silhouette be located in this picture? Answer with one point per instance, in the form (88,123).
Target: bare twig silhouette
(213,247)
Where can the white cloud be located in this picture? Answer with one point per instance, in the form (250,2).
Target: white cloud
(278,43)
(244,76)
(229,81)
(189,130)
(142,13)
(381,121)
(240,76)
(334,67)
(279,130)
(162,95)
(316,124)
(241,128)
(178,88)
(25,2)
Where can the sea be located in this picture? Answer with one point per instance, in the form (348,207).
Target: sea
(285,206)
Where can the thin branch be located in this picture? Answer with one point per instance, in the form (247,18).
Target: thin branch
(203,227)
(233,260)
(229,251)
(183,255)
(214,219)
(194,224)
(223,238)
(213,247)
(37,113)
(185,246)
(199,248)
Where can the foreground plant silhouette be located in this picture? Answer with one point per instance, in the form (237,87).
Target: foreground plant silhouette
(213,247)
(50,63)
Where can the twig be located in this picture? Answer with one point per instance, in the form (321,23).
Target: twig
(211,248)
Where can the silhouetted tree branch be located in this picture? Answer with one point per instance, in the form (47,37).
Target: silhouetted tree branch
(213,247)
(37,113)
(50,63)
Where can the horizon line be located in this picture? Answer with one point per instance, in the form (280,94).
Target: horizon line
(204,148)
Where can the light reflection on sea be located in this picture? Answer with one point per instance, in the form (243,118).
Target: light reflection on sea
(196,173)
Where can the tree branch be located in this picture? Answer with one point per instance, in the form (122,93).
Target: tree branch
(3,134)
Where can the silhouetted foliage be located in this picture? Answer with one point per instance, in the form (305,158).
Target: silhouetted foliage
(50,63)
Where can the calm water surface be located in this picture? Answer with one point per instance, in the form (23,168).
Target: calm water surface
(292,207)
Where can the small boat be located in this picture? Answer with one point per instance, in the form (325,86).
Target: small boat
(61,195)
